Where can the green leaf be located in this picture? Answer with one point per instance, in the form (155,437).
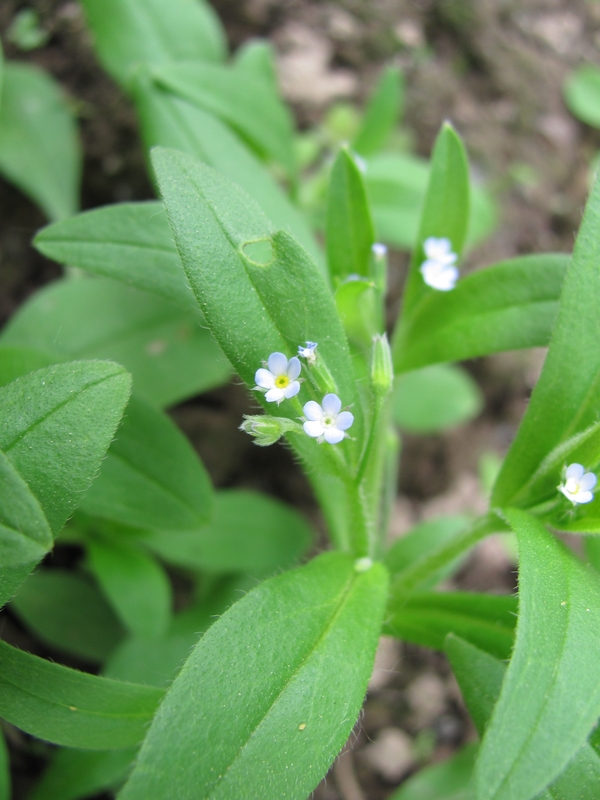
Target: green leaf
(156,662)
(127,32)
(435,398)
(152,476)
(25,535)
(382,113)
(257,58)
(420,541)
(507,306)
(360,308)
(550,698)
(73,774)
(480,679)
(5,793)
(350,234)
(255,308)
(567,394)
(397,184)
(130,242)
(39,146)
(479,675)
(171,121)
(135,584)
(446,209)
(299,651)
(67,611)
(450,780)
(56,426)
(168,354)
(240,100)
(487,621)
(582,94)
(72,708)
(248,532)
(18,361)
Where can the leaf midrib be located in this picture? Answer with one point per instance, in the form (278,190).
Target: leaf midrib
(344,595)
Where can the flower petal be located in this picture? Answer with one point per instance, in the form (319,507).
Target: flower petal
(294,368)
(313,428)
(587,481)
(344,420)
(313,411)
(566,493)
(292,389)
(331,404)
(584,497)
(274,395)
(264,379)
(278,363)
(575,471)
(437,247)
(333,435)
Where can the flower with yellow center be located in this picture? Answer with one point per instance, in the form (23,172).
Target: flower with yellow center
(280,379)
(578,484)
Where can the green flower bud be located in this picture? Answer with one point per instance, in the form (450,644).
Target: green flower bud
(382,370)
(268,430)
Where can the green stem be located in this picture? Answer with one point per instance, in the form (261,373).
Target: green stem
(409,579)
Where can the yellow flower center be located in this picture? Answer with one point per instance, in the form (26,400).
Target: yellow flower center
(281,381)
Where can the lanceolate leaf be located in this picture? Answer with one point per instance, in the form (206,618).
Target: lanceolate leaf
(248,533)
(73,774)
(127,32)
(550,698)
(381,114)
(131,242)
(25,535)
(480,679)
(67,611)
(487,621)
(240,100)
(298,651)
(566,398)
(18,361)
(72,708)
(4,763)
(169,354)
(450,780)
(350,234)
(257,304)
(169,120)
(446,210)
(55,428)
(582,94)
(508,306)
(39,149)
(136,585)
(151,477)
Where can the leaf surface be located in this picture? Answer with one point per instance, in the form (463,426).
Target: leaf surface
(72,708)
(566,397)
(382,112)
(299,649)
(73,774)
(66,610)
(151,476)
(128,32)
(39,146)
(249,532)
(582,94)
(507,306)
(550,698)
(169,355)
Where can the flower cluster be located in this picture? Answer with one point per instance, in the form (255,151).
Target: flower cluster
(325,422)
(439,270)
(578,484)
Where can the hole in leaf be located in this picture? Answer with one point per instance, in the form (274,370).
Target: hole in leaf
(259,252)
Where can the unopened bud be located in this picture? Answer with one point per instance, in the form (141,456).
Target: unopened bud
(382,370)
(267,430)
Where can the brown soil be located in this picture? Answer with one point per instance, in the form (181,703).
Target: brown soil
(496,70)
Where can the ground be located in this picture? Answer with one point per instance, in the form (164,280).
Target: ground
(493,67)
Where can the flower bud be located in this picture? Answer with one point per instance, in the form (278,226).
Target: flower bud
(382,370)
(268,430)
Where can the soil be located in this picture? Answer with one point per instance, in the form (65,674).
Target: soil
(495,68)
